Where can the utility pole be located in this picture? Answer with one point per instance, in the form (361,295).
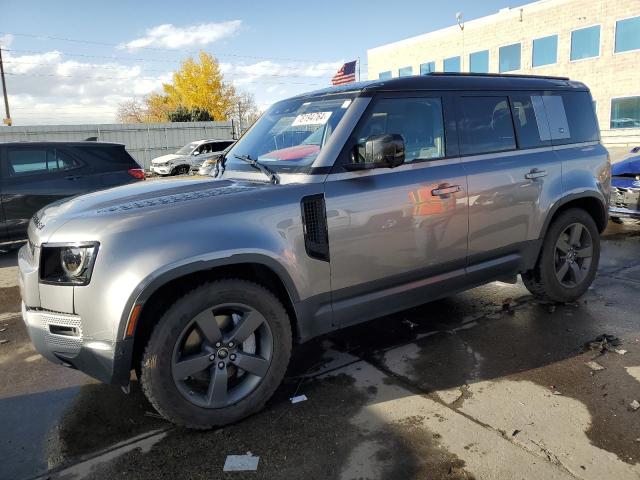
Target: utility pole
(7,120)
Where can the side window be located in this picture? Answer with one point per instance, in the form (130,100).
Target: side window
(418,120)
(486,125)
(530,120)
(38,161)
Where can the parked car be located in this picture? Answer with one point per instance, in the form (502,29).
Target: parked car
(336,207)
(208,167)
(625,189)
(34,174)
(188,157)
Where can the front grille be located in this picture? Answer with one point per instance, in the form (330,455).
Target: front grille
(627,198)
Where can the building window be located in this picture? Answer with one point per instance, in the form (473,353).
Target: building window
(585,43)
(545,51)
(625,112)
(384,75)
(628,35)
(486,125)
(509,58)
(405,71)
(479,62)
(452,64)
(428,67)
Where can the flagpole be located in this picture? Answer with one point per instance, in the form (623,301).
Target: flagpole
(358,68)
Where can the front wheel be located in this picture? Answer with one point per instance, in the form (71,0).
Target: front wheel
(217,355)
(568,260)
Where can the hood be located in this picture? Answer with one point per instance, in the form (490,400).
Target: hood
(164,158)
(630,166)
(141,199)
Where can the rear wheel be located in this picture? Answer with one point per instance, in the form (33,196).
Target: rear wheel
(568,260)
(217,355)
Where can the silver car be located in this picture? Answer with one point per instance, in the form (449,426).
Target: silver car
(188,158)
(336,207)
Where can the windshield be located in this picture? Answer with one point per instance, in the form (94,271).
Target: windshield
(188,148)
(291,134)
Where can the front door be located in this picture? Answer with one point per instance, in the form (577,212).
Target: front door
(34,176)
(396,235)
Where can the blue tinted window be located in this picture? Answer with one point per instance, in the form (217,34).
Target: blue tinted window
(452,64)
(585,43)
(545,51)
(384,75)
(479,62)
(628,34)
(405,71)
(427,68)
(509,58)
(625,112)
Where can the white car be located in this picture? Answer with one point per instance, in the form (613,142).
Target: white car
(188,157)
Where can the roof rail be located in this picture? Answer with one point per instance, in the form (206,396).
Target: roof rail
(506,75)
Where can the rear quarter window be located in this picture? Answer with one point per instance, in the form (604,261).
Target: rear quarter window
(581,117)
(107,158)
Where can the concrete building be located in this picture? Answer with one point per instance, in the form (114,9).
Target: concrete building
(594,41)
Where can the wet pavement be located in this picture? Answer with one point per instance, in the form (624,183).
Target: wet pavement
(489,383)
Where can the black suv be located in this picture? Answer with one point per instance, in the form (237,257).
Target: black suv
(35,174)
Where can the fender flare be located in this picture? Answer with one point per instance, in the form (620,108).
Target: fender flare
(154,281)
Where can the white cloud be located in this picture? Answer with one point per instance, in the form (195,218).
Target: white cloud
(170,36)
(48,88)
(6,40)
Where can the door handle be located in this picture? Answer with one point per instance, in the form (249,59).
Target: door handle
(535,173)
(72,177)
(446,190)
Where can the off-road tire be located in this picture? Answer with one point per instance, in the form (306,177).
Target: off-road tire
(541,281)
(156,377)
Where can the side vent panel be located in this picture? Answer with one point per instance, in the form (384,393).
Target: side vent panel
(314,224)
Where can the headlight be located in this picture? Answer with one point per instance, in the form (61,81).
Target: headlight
(206,163)
(67,264)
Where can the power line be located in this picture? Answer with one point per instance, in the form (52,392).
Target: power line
(12,62)
(136,77)
(106,44)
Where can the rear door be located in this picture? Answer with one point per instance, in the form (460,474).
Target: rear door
(34,176)
(513,177)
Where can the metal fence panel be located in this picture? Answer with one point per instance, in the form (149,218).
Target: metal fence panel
(143,141)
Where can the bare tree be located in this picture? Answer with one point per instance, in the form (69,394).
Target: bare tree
(244,111)
(131,111)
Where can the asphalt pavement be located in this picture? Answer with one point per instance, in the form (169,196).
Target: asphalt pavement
(490,383)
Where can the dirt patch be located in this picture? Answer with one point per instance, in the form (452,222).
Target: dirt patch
(9,299)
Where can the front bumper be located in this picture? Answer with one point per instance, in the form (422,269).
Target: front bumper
(59,338)
(162,170)
(625,202)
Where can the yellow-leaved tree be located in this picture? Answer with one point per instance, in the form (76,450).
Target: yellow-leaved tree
(199,84)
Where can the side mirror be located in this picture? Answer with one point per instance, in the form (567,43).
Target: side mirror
(381,151)
(195,153)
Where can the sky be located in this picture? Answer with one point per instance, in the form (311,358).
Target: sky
(72,62)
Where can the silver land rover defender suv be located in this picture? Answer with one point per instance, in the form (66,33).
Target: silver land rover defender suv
(336,207)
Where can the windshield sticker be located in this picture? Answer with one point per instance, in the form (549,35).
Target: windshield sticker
(315,118)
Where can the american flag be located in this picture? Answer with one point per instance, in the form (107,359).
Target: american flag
(346,74)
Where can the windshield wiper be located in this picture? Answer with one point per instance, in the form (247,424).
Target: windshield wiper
(273,176)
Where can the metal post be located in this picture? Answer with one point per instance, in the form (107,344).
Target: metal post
(358,68)
(7,120)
